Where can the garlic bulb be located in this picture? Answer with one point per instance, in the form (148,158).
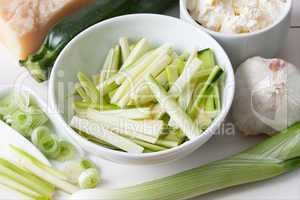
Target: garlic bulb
(267,96)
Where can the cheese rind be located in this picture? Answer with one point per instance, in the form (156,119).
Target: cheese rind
(25,23)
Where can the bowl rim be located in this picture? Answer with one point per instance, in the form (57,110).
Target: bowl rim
(208,132)
(184,11)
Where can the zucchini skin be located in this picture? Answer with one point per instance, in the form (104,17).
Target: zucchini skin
(39,64)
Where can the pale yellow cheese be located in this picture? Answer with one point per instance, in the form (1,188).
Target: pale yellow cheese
(25,23)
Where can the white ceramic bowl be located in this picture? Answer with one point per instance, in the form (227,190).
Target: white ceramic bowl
(265,43)
(87,51)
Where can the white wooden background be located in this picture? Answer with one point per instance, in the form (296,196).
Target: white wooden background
(286,187)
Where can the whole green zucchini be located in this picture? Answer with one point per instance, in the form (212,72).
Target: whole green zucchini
(39,64)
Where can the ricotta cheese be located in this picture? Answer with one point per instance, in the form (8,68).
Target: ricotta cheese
(236,16)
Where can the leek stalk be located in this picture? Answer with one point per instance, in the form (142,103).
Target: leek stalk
(169,104)
(125,50)
(272,157)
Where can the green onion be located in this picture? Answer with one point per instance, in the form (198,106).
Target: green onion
(89,178)
(273,157)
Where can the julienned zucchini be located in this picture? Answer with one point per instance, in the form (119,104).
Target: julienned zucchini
(39,64)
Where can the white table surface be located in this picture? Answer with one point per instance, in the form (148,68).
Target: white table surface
(286,187)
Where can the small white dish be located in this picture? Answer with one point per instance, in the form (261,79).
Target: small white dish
(265,43)
(87,51)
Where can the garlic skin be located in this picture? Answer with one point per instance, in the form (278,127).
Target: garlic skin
(267,96)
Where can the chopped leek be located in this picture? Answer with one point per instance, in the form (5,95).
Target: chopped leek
(89,178)
(131,113)
(6,181)
(43,171)
(153,69)
(186,77)
(22,123)
(141,47)
(213,77)
(89,87)
(23,177)
(73,169)
(66,151)
(97,131)
(49,146)
(171,74)
(148,127)
(125,51)
(169,104)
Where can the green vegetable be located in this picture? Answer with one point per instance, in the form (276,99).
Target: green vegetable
(98,131)
(148,127)
(8,105)
(22,123)
(208,58)
(149,146)
(141,47)
(89,178)
(154,69)
(170,106)
(16,174)
(131,113)
(111,64)
(125,51)
(89,88)
(273,157)
(38,134)
(81,105)
(171,74)
(6,181)
(49,146)
(73,169)
(212,79)
(66,151)
(43,171)
(40,63)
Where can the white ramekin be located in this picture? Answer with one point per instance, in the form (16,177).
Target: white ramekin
(265,43)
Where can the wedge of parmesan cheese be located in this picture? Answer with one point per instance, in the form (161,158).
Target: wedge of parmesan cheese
(25,23)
